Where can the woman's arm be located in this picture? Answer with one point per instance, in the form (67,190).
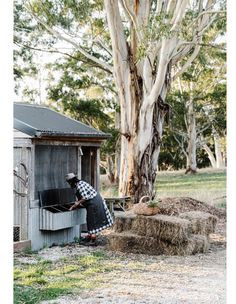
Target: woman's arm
(77,204)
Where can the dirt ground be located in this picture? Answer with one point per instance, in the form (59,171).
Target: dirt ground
(199,278)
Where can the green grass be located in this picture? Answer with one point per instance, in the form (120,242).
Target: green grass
(207,185)
(45,280)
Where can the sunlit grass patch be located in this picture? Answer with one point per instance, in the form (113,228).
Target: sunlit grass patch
(30,281)
(46,280)
(208,186)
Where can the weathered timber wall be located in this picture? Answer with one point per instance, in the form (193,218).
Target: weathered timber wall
(52,163)
(21,186)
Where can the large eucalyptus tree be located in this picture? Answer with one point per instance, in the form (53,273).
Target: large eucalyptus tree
(153,42)
(145,44)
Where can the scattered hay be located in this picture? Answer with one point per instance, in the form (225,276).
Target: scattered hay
(201,222)
(177,205)
(132,243)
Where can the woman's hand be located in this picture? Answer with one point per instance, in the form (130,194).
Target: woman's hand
(76,205)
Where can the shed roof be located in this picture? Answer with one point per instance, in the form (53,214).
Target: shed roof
(40,121)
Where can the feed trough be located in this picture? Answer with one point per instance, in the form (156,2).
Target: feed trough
(55,211)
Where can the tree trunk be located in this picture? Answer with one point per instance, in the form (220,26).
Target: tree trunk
(143,81)
(192,138)
(110,168)
(139,158)
(210,155)
(117,153)
(218,150)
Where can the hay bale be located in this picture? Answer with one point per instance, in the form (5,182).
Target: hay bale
(201,222)
(199,243)
(123,222)
(169,228)
(132,243)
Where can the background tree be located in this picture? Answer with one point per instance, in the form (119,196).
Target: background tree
(198,101)
(213,140)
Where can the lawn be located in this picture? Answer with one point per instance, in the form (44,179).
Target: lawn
(207,185)
(47,280)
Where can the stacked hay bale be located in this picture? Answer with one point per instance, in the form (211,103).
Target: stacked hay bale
(162,234)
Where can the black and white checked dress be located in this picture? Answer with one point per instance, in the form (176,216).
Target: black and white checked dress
(98,215)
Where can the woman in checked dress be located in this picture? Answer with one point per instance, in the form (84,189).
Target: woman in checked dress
(98,215)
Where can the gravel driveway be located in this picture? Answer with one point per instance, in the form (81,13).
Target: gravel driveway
(200,278)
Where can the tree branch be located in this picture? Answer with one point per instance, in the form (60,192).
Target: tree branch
(57,34)
(91,63)
(206,12)
(216,46)
(133,19)
(179,13)
(188,62)
(119,45)
(205,24)
(102,45)
(43,50)
(181,145)
(161,72)
(203,129)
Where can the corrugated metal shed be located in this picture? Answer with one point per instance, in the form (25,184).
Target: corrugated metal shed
(40,121)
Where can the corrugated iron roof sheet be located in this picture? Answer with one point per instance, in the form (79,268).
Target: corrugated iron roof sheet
(40,121)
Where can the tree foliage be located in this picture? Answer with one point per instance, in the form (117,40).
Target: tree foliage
(207,75)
